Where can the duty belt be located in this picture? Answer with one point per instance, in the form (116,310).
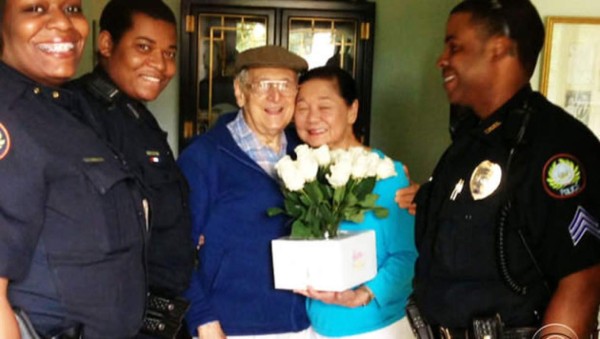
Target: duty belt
(463,333)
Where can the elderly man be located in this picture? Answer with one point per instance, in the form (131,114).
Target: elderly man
(230,170)
(507,228)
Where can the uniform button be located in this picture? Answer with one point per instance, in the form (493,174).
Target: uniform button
(55,94)
(37,90)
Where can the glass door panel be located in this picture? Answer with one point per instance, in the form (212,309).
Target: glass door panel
(324,41)
(221,37)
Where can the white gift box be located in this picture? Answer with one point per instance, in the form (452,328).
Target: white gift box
(335,264)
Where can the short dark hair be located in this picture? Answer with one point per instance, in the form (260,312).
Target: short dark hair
(344,81)
(116,17)
(518,19)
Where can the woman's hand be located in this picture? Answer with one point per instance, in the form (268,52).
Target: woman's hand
(211,330)
(349,298)
(8,323)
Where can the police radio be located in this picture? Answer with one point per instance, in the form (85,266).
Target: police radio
(524,113)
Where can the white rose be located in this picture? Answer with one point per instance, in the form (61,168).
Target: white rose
(340,156)
(303,151)
(337,154)
(288,171)
(293,181)
(356,152)
(308,167)
(386,169)
(322,155)
(360,167)
(284,164)
(373,161)
(339,173)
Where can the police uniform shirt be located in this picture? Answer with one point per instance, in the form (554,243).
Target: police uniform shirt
(132,130)
(72,234)
(554,189)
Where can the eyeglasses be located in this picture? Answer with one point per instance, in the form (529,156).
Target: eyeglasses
(284,87)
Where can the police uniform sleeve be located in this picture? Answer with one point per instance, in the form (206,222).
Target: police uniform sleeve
(568,205)
(22,193)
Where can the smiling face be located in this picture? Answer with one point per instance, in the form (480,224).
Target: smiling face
(323,117)
(465,62)
(143,62)
(44,39)
(267,112)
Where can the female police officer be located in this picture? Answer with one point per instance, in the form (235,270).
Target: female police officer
(137,46)
(73,228)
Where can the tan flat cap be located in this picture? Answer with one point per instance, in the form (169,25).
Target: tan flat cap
(270,56)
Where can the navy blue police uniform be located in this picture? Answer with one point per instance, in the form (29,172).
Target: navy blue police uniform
(73,221)
(133,131)
(495,232)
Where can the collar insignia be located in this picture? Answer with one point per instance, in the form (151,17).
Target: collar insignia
(4,141)
(485,179)
(583,223)
(492,127)
(563,176)
(93,160)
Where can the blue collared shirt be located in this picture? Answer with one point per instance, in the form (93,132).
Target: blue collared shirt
(248,141)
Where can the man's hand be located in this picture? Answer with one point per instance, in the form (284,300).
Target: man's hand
(8,323)
(405,196)
(349,298)
(574,305)
(211,330)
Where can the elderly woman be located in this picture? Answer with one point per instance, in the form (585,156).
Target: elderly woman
(326,109)
(72,221)
(230,170)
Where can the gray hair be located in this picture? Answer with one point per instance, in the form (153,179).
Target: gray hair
(241,77)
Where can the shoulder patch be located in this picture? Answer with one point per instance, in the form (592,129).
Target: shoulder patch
(4,141)
(563,176)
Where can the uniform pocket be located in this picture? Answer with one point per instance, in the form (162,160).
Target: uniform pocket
(167,189)
(94,209)
(103,176)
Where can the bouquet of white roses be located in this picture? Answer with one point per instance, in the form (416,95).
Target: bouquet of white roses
(322,187)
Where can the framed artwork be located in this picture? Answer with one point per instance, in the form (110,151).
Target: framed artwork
(571,68)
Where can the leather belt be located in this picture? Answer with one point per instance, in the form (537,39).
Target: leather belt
(463,333)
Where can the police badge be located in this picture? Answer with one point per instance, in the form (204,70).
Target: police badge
(485,179)
(4,141)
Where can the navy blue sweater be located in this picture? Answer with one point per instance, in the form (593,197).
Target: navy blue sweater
(230,195)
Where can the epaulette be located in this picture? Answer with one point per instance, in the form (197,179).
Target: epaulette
(102,88)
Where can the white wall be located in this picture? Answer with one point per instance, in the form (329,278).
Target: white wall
(166,107)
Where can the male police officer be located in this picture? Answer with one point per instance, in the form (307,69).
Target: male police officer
(137,45)
(507,228)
